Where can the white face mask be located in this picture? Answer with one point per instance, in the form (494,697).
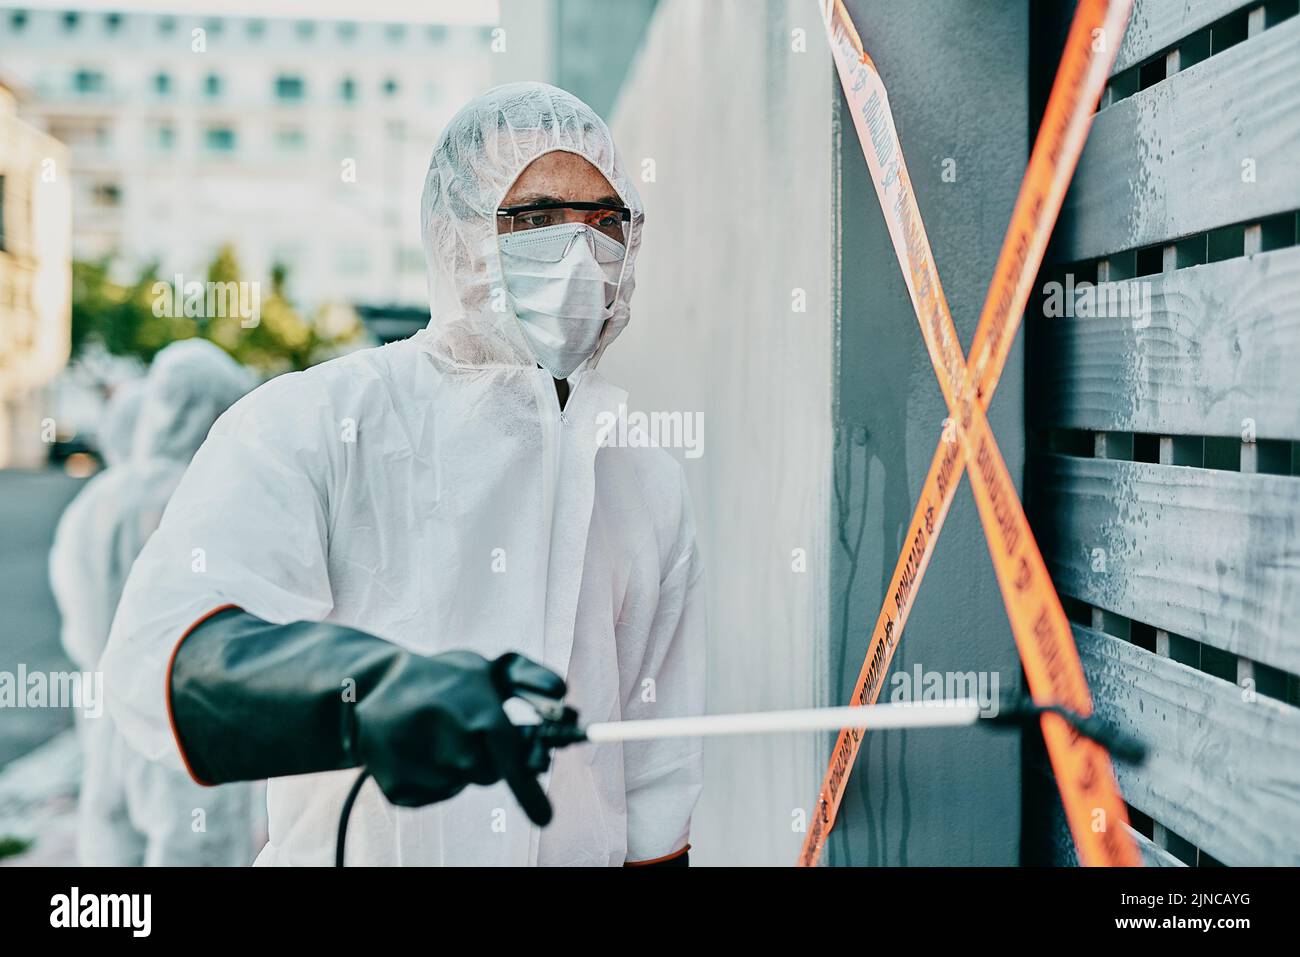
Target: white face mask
(562,281)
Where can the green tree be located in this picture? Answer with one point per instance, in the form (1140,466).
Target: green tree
(120,316)
(140,318)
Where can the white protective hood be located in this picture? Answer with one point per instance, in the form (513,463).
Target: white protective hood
(477,159)
(116,433)
(431,493)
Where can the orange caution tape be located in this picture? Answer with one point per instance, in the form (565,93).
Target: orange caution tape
(1090,796)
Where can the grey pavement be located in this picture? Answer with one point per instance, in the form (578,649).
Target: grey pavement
(38,803)
(30,505)
(39,762)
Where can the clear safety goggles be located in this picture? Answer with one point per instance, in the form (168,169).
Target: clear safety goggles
(611,221)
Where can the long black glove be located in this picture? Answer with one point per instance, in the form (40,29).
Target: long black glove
(252,700)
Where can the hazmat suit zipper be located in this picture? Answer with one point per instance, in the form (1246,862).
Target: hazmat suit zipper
(553,419)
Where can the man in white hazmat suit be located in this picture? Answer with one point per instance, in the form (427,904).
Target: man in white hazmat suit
(393,541)
(132,811)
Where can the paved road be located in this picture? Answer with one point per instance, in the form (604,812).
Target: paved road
(30,505)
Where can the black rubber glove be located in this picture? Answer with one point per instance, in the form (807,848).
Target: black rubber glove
(252,700)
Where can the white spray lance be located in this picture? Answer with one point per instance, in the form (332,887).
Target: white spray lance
(559,725)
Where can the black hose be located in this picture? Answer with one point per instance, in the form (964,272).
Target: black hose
(342,842)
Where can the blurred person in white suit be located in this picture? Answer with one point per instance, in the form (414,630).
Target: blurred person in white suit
(132,811)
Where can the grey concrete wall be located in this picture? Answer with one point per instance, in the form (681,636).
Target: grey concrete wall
(957,79)
(819,425)
(738,126)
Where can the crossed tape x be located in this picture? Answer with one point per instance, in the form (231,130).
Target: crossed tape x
(1093,806)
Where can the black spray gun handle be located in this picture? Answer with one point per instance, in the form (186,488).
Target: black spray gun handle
(558,726)
(557,729)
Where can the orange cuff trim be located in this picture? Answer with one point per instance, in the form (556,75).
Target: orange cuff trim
(658,860)
(171,718)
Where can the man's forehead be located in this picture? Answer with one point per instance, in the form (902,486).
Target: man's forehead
(561,176)
(533,198)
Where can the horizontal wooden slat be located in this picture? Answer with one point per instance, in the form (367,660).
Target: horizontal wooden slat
(1221,772)
(1158,24)
(1210,555)
(1167,162)
(1220,346)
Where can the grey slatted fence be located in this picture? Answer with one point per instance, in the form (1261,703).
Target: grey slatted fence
(1164,480)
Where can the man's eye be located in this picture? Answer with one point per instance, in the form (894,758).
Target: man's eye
(535,220)
(609,221)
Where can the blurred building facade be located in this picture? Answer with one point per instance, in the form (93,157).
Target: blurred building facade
(302,142)
(596,44)
(588,47)
(35,279)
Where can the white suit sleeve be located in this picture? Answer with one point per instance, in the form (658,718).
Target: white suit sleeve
(77,578)
(664,777)
(246,527)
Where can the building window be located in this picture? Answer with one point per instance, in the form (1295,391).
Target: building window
(437,34)
(396,33)
(352,260)
(113,22)
(390,87)
(219,139)
(212,85)
(167,25)
(165,137)
(256,28)
(347,31)
(306,29)
(348,90)
(88,81)
(106,195)
(70,21)
(289,87)
(290,139)
(162,84)
(18,20)
(214,27)
(410,259)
